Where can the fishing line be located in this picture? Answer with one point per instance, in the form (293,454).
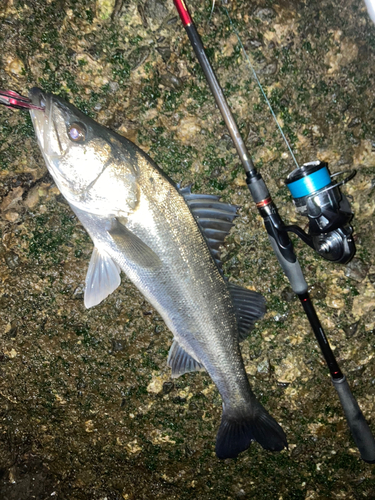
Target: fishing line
(247,58)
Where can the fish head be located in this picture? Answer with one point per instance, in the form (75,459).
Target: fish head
(78,151)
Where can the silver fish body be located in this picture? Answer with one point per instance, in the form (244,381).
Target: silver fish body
(140,222)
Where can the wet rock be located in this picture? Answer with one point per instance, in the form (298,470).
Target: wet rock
(226,138)
(12,334)
(172,20)
(264,14)
(105,8)
(165,53)
(79,292)
(141,12)
(168,387)
(354,122)
(317,292)
(263,368)
(138,57)
(118,345)
(80,384)
(283,385)
(170,80)
(335,301)
(356,270)
(299,450)
(252,44)
(4,300)
(289,369)
(188,451)
(32,197)
(156,11)
(94,52)
(241,493)
(119,8)
(253,138)
(11,259)
(12,198)
(288,295)
(189,127)
(268,69)
(351,329)
(178,400)
(15,67)
(192,406)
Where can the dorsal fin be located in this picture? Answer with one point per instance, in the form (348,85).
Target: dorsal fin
(249,305)
(214,218)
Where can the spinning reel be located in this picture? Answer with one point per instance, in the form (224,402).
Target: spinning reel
(316,196)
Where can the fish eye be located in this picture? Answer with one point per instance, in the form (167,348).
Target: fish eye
(77,132)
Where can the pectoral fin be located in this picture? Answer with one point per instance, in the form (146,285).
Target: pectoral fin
(103,277)
(181,362)
(133,247)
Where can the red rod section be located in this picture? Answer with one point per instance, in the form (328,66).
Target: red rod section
(183,12)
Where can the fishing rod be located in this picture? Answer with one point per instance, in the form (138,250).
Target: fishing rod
(330,234)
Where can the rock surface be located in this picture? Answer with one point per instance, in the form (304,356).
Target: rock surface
(88,409)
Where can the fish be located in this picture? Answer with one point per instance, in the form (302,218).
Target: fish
(370,4)
(166,240)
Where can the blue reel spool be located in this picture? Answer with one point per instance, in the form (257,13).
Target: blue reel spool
(307,180)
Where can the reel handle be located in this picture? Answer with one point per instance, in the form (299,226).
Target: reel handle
(358,426)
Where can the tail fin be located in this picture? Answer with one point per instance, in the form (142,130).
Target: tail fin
(237,430)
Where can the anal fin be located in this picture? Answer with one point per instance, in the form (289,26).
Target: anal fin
(181,362)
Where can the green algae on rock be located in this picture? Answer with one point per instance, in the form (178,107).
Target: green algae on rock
(58,366)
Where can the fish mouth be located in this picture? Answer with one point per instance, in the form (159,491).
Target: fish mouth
(38,97)
(46,130)
(47,123)
(41,118)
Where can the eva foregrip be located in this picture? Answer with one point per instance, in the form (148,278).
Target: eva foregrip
(358,426)
(291,269)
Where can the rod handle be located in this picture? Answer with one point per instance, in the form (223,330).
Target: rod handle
(291,269)
(359,428)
